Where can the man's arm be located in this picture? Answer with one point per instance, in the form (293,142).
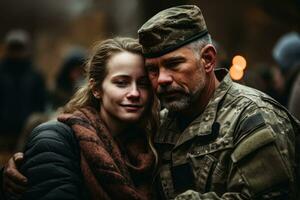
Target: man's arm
(13,182)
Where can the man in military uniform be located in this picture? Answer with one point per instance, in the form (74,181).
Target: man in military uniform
(218,139)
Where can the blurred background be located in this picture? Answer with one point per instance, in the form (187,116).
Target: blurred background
(43,45)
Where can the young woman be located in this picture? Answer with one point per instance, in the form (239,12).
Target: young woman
(100,146)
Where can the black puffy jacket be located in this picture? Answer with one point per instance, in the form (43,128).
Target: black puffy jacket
(52,164)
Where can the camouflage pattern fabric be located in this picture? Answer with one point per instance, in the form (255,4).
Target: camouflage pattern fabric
(189,194)
(171,29)
(241,147)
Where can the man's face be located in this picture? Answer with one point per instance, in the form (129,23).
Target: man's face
(178,78)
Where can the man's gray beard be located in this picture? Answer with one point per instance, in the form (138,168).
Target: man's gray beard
(178,104)
(184,102)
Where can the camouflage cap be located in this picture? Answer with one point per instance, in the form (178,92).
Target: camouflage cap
(170,29)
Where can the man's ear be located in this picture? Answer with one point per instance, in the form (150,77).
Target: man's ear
(96,91)
(208,57)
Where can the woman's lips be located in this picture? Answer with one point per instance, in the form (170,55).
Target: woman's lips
(132,107)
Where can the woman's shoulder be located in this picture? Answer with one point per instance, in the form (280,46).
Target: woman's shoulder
(52,145)
(52,135)
(53,125)
(52,129)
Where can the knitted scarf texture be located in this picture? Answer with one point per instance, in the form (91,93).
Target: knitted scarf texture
(117,167)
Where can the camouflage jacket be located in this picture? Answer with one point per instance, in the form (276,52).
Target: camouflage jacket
(241,147)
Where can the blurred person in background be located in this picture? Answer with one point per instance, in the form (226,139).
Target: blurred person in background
(69,78)
(269,79)
(22,88)
(294,98)
(286,53)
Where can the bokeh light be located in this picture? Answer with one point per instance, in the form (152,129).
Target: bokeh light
(236,73)
(239,61)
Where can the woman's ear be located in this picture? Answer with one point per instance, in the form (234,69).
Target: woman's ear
(208,57)
(96,91)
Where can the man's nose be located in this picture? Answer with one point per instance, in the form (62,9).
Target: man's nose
(164,77)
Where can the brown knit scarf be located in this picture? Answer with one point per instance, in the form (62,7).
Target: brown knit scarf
(113,168)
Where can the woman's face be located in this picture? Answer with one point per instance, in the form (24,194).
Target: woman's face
(126,89)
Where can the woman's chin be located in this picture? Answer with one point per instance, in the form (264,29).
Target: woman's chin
(131,117)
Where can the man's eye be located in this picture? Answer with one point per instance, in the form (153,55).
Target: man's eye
(172,64)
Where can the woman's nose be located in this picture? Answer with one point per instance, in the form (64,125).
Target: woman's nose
(134,92)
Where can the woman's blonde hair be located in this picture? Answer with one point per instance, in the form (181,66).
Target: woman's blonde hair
(96,69)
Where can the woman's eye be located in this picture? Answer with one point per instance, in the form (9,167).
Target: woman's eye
(121,83)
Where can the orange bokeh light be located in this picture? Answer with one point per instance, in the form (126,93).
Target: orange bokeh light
(239,62)
(236,73)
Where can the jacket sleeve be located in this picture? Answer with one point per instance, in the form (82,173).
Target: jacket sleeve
(52,164)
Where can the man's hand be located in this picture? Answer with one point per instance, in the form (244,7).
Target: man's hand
(14,183)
